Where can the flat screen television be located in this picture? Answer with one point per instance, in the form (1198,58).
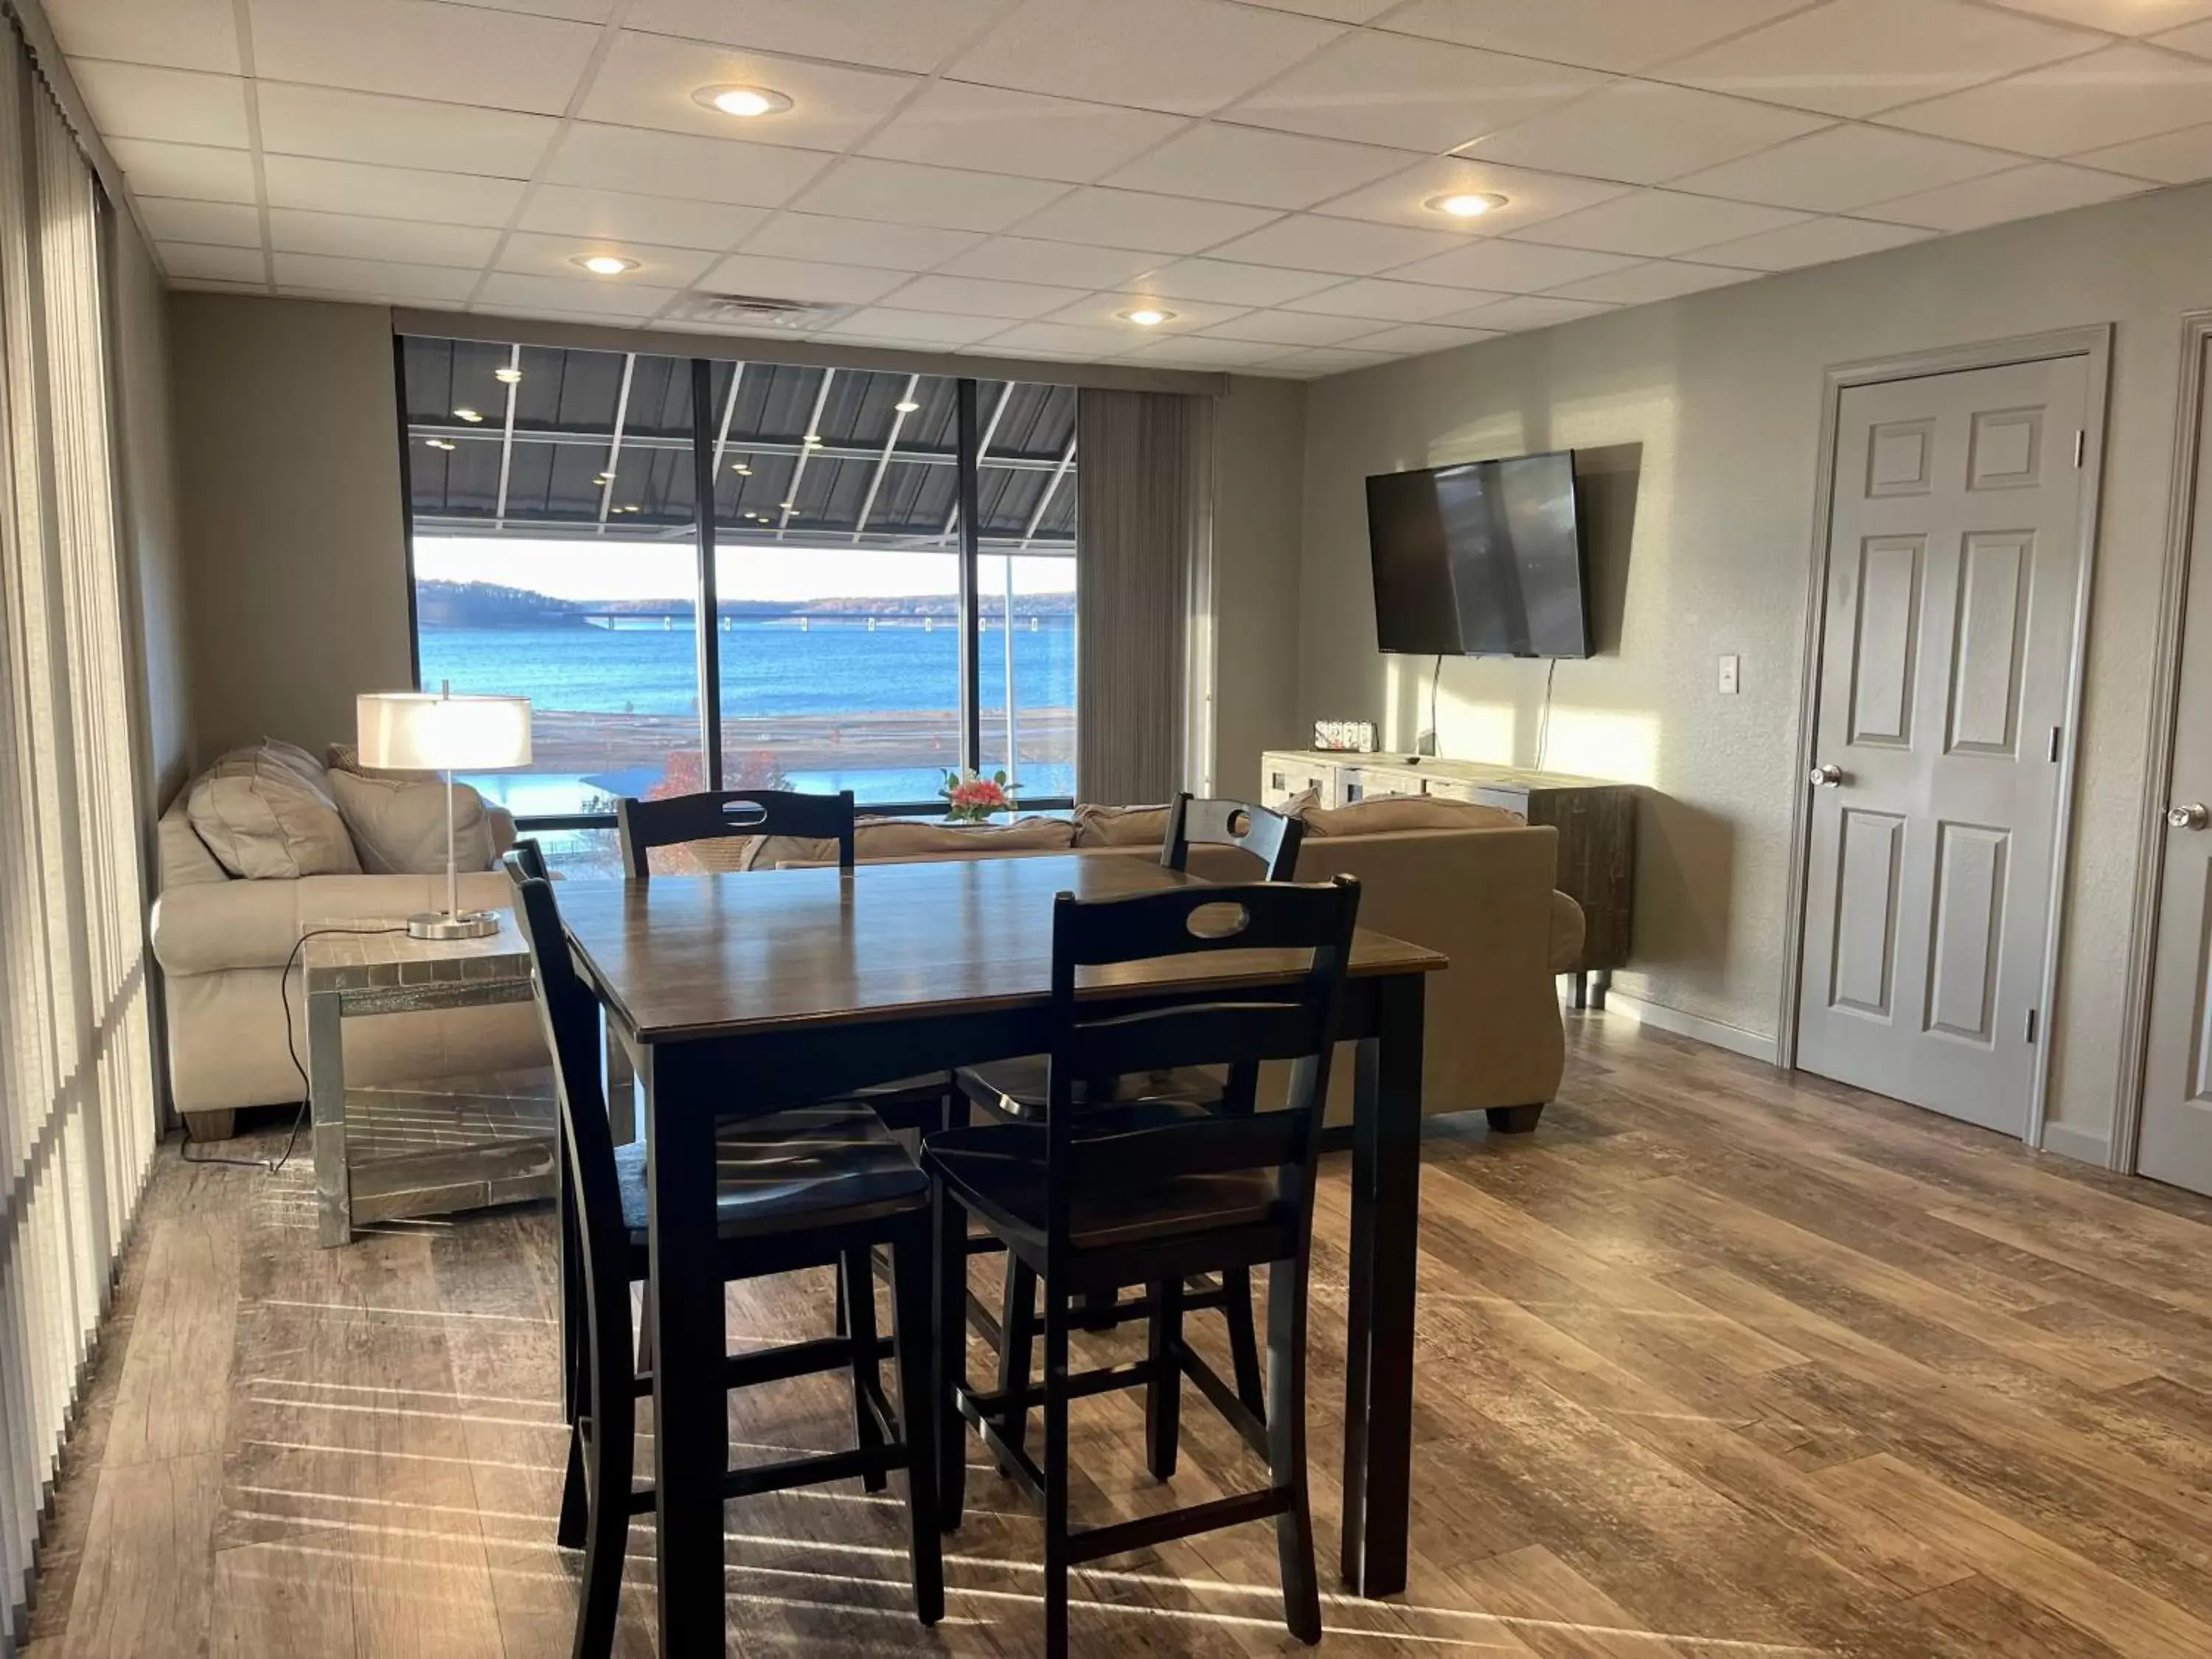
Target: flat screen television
(1479,560)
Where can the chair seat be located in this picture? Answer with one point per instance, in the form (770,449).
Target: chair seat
(816,1165)
(1019,1089)
(998,1169)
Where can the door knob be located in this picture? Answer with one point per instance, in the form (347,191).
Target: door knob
(2195,816)
(1830,776)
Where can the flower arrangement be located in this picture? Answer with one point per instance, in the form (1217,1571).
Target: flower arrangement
(971,798)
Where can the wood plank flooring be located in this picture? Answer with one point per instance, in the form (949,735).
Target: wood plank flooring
(1719,1365)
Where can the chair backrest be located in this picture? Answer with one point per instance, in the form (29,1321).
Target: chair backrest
(718,814)
(1269,836)
(1294,1020)
(531,856)
(570,1014)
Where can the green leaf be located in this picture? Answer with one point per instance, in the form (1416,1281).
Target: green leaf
(999,778)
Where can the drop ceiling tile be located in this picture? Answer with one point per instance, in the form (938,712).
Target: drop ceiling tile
(182,284)
(531,251)
(899,34)
(1511,267)
(865,242)
(2120,16)
(404,133)
(976,296)
(2124,92)
(2171,158)
(1019,259)
(424,49)
(224,224)
(1234,284)
(628,158)
(1858,56)
(1293,328)
(1063,340)
(905,193)
(1326,360)
(1104,311)
(1659,279)
(1844,167)
(1528,310)
(800,279)
(647,80)
(1129,218)
(2196,39)
(618,216)
(225,265)
(129,100)
(578,295)
(1379,89)
(187,170)
(994,129)
(446,199)
(1422,337)
(1206,351)
(2025,192)
(579,11)
(1597,33)
(1306,241)
(917,327)
(1188,57)
(1336,11)
(1530,195)
(392,279)
(1645,132)
(1250,164)
(193,34)
(1816,242)
(1659,222)
(348,236)
(1385,301)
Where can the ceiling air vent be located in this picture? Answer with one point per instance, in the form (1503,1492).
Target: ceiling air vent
(759,310)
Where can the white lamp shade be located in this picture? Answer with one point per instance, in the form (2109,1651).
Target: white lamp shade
(422,731)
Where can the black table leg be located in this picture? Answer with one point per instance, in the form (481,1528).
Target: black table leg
(690,1414)
(1378,1392)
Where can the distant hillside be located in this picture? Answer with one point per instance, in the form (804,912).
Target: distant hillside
(490,605)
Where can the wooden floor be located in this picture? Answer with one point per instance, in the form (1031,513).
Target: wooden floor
(1716,1363)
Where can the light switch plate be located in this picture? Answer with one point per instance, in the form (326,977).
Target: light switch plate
(1729,666)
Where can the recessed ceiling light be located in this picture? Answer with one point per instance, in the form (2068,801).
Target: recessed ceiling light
(905,408)
(603,265)
(1146,316)
(506,374)
(1464,204)
(603,478)
(745,102)
(469,415)
(437,443)
(788,507)
(813,439)
(742,469)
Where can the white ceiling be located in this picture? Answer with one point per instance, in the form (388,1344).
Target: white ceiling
(1007,176)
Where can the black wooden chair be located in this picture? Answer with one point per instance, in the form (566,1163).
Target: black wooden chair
(819,1187)
(1155,1193)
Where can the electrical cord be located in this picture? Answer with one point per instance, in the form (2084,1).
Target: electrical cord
(1544,719)
(1436,680)
(271,1166)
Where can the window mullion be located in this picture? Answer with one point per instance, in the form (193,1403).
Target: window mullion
(971,643)
(705,613)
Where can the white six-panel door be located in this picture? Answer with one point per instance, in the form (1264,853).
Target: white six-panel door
(1954,559)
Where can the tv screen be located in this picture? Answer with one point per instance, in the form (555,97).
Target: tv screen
(1479,560)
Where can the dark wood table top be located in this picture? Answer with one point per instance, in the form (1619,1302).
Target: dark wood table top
(686,956)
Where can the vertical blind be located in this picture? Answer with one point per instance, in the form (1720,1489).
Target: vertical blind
(77,1109)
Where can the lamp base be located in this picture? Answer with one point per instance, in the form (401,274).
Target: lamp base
(452,924)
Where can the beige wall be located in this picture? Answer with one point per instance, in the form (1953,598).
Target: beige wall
(287,439)
(1719,395)
(1259,434)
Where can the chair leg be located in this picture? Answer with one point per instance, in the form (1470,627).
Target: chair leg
(1243,1344)
(1286,1446)
(856,1282)
(911,1341)
(570,1530)
(950,1326)
(1055,1473)
(1017,1344)
(1163,1394)
(609,1446)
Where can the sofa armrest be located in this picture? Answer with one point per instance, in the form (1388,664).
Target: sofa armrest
(213,927)
(1567,931)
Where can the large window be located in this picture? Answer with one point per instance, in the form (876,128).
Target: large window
(810,634)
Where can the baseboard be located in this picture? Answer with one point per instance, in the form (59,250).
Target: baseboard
(2069,1142)
(1696,1027)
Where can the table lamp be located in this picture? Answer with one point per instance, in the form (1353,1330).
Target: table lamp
(438,732)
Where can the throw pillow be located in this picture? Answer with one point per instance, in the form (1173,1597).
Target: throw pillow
(346,757)
(1121,826)
(400,827)
(1382,812)
(906,838)
(264,818)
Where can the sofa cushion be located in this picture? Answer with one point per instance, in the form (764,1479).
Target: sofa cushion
(1568,926)
(400,827)
(1383,812)
(1121,826)
(878,839)
(346,757)
(266,813)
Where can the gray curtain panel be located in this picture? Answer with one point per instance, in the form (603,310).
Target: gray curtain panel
(1140,528)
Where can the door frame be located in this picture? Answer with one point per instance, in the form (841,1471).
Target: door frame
(2094,344)
(2158,763)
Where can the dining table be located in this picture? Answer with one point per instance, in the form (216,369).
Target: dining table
(745,994)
